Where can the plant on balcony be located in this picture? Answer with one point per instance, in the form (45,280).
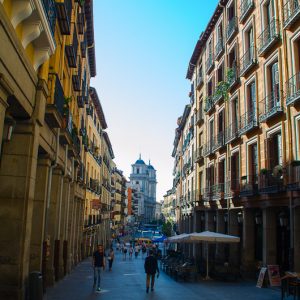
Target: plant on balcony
(277,171)
(223,86)
(263,171)
(67,101)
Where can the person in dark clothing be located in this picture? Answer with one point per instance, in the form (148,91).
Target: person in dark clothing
(151,267)
(98,263)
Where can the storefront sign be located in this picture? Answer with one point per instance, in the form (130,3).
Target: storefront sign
(274,276)
(261,277)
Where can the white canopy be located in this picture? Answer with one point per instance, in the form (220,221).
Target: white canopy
(177,238)
(212,237)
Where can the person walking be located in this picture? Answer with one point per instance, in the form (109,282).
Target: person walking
(130,252)
(136,250)
(151,267)
(98,263)
(111,257)
(124,252)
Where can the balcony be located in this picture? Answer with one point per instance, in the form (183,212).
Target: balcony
(80,23)
(218,95)
(67,128)
(245,9)
(219,141)
(233,77)
(232,132)
(80,101)
(71,50)
(291,13)
(232,28)
(219,50)
(209,104)
(208,148)
(271,182)
(270,107)
(269,37)
(209,63)
(248,121)
(199,117)
(207,194)
(232,188)
(75,148)
(248,61)
(249,186)
(199,158)
(49,8)
(64,13)
(217,191)
(199,81)
(76,78)
(293,172)
(293,90)
(55,109)
(83,47)
(81,173)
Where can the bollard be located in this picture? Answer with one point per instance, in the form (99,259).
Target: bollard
(35,286)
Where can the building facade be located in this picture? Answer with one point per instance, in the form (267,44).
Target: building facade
(244,74)
(56,158)
(143,180)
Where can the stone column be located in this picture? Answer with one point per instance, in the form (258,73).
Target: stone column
(234,251)
(220,248)
(248,262)
(17,189)
(269,236)
(51,230)
(38,215)
(297,239)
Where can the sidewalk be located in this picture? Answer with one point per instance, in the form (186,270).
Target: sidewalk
(127,281)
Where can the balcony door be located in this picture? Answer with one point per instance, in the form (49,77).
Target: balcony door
(234,115)
(221,122)
(253,163)
(222,175)
(235,171)
(251,101)
(274,151)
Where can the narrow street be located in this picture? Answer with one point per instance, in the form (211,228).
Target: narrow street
(127,281)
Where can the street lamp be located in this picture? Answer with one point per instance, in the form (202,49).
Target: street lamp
(225,217)
(240,217)
(258,218)
(283,219)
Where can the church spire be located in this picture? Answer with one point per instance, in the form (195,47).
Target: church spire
(140,156)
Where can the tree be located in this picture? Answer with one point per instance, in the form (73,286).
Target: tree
(167,228)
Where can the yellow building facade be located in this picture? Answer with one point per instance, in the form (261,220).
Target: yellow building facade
(244,73)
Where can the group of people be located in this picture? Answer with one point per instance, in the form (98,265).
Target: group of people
(150,265)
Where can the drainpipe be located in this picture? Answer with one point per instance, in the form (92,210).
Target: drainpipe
(49,184)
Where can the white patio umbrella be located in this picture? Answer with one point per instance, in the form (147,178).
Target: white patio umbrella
(209,237)
(176,238)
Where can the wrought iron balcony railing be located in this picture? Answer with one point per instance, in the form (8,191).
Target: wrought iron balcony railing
(271,182)
(248,60)
(231,28)
(76,78)
(245,9)
(233,79)
(71,50)
(207,193)
(268,37)
(232,132)
(249,185)
(269,107)
(199,117)
(49,7)
(80,23)
(291,12)
(58,96)
(208,148)
(293,89)
(248,121)
(199,157)
(219,141)
(219,49)
(64,13)
(199,80)
(209,63)
(232,188)
(217,191)
(209,104)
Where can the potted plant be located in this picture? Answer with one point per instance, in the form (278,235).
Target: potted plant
(277,171)
(263,171)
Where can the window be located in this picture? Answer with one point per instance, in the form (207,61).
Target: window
(274,150)
(210,87)
(268,13)
(253,162)
(220,33)
(211,128)
(220,73)
(232,58)
(222,172)
(234,115)
(221,121)
(251,98)
(231,11)
(234,170)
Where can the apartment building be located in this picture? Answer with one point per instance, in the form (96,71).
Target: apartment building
(168,206)
(245,68)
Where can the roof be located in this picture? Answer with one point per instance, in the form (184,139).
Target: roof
(107,140)
(88,10)
(203,38)
(150,167)
(98,107)
(139,162)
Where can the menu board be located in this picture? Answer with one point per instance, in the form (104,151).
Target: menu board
(261,277)
(274,275)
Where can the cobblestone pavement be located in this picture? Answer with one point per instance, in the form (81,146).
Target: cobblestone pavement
(127,281)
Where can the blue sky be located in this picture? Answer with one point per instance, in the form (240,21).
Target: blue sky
(142,52)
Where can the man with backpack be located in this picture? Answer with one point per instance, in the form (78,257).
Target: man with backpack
(151,267)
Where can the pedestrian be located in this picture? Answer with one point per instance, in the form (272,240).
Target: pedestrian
(136,250)
(130,252)
(111,257)
(118,246)
(151,267)
(124,252)
(143,250)
(98,263)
